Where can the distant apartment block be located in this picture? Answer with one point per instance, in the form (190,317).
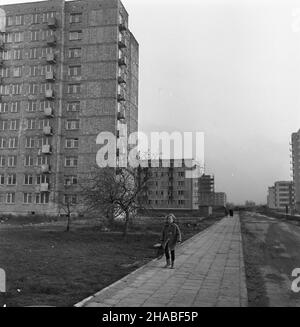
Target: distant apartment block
(281,195)
(206,190)
(68,71)
(295,155)
(170,187)
(220,199)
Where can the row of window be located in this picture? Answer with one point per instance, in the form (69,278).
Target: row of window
(28,161)
(30,179)
(28,198)
(35,105)
(35,53)
(14,124)
(36,88)
(70,161)
(38,36)
(179,202)
(41,18)
(162,193)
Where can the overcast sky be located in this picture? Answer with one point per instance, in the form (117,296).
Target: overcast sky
(230,69)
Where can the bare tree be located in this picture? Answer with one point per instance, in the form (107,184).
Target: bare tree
(120,191)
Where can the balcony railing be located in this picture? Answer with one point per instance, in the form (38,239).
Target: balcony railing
(50,57)
(121,96)
(45,168)
(46,149)
(47,130)
(122,78)
(121,115)
(51,40)
(52,23)
(48,111)
(122,41)
(122,60)
(44,187)
(50,76)
(49,94)
(123,26)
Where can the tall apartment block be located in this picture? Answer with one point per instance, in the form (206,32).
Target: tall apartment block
(295,149)
(281,195)
(69,70)
(206,190)
(170,185)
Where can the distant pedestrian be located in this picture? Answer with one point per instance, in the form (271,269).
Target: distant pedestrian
(170,236)
(231,213)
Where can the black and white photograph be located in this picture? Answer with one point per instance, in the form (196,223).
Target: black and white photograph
(149,157)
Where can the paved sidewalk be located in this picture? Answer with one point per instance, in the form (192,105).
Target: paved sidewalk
(209,271)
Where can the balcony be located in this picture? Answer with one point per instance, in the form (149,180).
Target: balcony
(122,61)
(48,111)
(52,23)
(45,169)
(50,58)
(122,78)
(121,115)
(121,96)
(1,62)
(47,130)
(49,94)
(46,149)
(44,187)
(1,44)
(51,40)
(50,76)
(122,41)
(123,26)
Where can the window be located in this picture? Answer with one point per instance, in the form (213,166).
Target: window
(16,89)
(46,104)
(42,198)
(75,18)
(71,143)
(46,69)
(9,37)
(70,199)
(28,161)
(74,88)
(10,198)
(44,123)
(33,88)
(4,89)
(73,106)
(34,70)
(2,161)
(46,51)
(2,179)
(180,192)
(74,71)
(11,179)
(46,34)
(2,143)
(43,141)
(75,35)
(42,179)
(71,161)
(17,71)
(7,55)
(28,179)
(10,20)
(4,72)
(15,106)
(19,37)
(19,20)
(74,53)
(32,106)
(71,180)
(14,124)
(33,53)
(13,142)
(3,125)
(47,15)
(29,142)
(17,54)
(34,36)
(72,124)
(3,108)
(27,198)
(42,160)
(11,161)
(34,18)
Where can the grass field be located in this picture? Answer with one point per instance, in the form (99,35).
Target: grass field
(47,266)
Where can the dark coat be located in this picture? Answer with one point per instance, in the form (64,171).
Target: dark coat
(171,233)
